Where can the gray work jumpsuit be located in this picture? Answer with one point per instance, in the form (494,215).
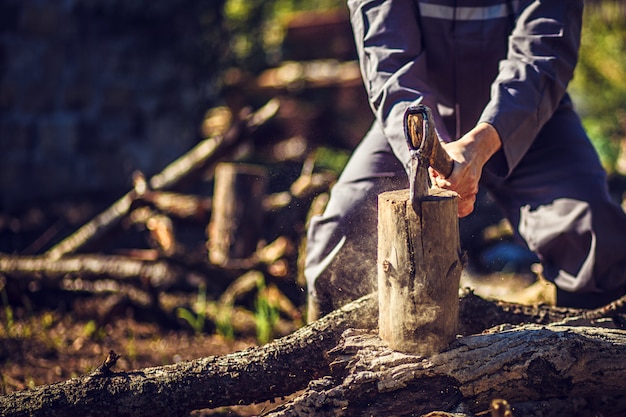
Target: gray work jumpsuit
(506,63)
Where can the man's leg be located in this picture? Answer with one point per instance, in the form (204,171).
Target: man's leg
(558,201)
(341,243)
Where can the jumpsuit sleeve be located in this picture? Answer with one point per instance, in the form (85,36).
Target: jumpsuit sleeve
(532,80)
(393,67)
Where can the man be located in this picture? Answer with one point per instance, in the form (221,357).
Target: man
(495,74)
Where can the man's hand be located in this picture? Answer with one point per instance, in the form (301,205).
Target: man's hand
(470,154)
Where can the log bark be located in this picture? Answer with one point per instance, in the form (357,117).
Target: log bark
(177,171)
(159,274)
(419,267)
(287,365)
(237,216)
(477,314)
(582,366)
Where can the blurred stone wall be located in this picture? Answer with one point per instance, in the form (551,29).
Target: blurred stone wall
(91,90)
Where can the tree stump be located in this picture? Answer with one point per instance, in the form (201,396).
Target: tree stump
(237,217)
(419,268)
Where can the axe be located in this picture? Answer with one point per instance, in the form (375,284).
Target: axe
(425,150)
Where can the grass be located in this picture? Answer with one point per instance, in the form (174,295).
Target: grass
(266,314)
(196,317)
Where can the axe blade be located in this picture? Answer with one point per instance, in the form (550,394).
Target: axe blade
(425,149)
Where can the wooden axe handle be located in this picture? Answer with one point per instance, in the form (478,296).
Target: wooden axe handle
(422,137)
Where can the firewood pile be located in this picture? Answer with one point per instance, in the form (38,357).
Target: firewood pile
(230,256)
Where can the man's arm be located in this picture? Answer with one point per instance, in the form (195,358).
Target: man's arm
(392,60)
(542,56)
(532,80)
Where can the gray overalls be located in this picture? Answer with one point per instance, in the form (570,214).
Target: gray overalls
(507,63)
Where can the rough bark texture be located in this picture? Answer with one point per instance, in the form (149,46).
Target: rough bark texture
(257,374)
(525,363)
(550,370)
(477,314)
(419,268)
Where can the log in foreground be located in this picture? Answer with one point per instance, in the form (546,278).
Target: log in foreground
(563,370)
(290,363)
(253,375)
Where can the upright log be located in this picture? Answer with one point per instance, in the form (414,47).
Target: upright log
(237,217)
(419,268)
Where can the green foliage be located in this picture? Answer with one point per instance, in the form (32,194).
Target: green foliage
(257,27)
(93,331)
(266,314)
(224,321)
(599,85)
(332,159)
(196,317)
(9,322)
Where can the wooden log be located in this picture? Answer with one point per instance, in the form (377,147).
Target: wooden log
(236,224)
(159,274)
(404,383)
(554,370)
(419,269)
(182,206)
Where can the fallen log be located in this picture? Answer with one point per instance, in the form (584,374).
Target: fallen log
(253,375)
(158,274)
(287,365)
(477,314)
(528,363)
(198,157)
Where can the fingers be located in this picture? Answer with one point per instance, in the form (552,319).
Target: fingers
(467,192)
(465,189)
(466,205)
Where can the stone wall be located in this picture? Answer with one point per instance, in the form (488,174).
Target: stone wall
(91,90)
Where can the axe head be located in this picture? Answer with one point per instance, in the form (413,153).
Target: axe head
(425,149)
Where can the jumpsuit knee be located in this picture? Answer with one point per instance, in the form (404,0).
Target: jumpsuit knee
(341,243)
(558,201)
